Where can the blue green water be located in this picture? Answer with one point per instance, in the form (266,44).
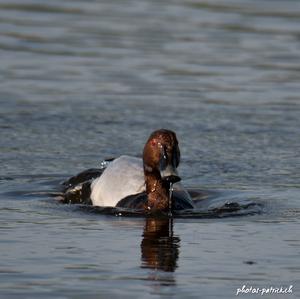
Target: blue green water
(81,81)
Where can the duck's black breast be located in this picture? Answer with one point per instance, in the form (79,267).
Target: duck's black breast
(138,201)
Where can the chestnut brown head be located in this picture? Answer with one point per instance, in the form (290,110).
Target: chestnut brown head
(161,155)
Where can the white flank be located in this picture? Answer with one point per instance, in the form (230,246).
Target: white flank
(124,176)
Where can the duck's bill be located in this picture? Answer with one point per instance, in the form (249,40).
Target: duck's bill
(170,174)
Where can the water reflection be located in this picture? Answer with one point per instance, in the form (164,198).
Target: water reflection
(159,247)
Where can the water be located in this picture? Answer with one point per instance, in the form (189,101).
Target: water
(81,81)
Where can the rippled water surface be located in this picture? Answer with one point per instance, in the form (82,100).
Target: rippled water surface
(81,81)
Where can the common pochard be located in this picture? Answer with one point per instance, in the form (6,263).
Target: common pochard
(136,183)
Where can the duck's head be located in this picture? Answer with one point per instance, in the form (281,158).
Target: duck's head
(161,156)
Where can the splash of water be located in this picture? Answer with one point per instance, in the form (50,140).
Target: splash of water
(170,199)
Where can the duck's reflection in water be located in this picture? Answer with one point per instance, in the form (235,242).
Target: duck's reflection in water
(160,248)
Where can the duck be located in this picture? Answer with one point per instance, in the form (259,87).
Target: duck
(150,184)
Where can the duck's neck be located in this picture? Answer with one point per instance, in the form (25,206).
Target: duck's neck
(157,193)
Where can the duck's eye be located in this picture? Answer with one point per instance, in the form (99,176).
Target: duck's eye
(153,142)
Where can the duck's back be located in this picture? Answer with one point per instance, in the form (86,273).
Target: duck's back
(123,177)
